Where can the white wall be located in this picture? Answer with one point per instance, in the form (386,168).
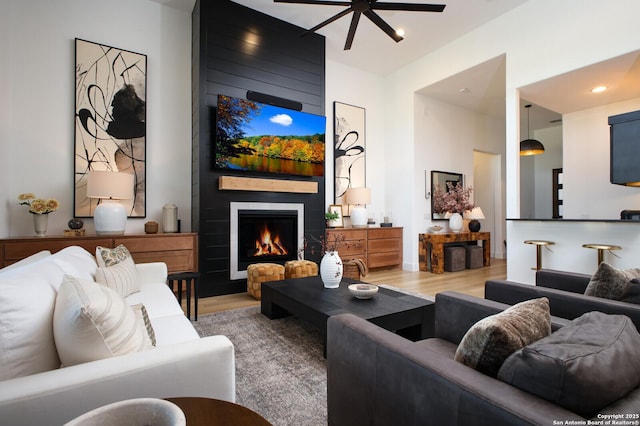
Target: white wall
(356,87)
(37,47)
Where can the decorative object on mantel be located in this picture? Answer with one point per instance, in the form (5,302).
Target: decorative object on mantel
(348,151)
(40,209)
(358,198)
(334,216)
(110,216)
(474,214)
(455,201)
(75,228)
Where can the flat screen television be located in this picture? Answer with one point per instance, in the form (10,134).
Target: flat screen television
(256,137)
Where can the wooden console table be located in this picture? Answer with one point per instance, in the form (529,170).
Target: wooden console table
(431,248)
(179,251)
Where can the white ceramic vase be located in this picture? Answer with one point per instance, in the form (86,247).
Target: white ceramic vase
(331,269)
(455,222)
(40,222)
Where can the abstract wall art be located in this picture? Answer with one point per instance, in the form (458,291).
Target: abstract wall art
(110,120)
(349,150)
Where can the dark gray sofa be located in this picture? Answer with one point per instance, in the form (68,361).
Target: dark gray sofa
(565,293)
(375,377)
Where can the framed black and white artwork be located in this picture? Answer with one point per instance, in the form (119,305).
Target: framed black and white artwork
(349,151)
(110,121)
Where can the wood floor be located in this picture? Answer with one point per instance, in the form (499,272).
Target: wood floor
(470,281)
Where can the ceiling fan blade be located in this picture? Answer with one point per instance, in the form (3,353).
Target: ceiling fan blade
(413,7)
(320,2)
(352,30)
(376,19)
(328,21)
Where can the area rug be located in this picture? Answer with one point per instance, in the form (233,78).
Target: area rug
(280,371)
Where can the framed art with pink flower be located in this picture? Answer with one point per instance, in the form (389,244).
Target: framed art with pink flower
(110,121)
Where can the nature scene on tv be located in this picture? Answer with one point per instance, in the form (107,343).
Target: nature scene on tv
(257,137)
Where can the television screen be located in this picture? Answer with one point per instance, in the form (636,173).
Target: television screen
(257,137)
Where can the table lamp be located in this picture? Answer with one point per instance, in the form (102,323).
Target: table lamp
(358,198)
(109,216)
(474,214)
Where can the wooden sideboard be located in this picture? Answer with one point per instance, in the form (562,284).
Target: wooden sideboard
(378,247)
(431,248)
(179,251)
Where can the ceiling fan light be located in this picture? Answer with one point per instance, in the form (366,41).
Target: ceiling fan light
(531,147)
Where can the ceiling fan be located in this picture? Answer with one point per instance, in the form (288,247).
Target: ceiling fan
(366,7)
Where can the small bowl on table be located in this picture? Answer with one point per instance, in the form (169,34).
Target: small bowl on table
(363,291)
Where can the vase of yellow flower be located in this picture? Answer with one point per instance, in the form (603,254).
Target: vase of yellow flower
(40,209)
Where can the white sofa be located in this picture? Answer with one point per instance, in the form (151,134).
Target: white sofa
(181,363)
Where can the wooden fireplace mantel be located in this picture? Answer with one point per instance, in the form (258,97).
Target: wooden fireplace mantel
(234,183)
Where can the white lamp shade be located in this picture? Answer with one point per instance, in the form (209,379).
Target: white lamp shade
(475,213)
(110,218)
(112,185)
(358,196)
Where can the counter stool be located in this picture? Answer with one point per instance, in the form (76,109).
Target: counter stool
(189,278)
(539,244)
(601,248)
(258,273)
(300,269)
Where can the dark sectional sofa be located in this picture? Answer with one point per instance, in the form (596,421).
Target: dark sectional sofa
(375,377)
(565,291)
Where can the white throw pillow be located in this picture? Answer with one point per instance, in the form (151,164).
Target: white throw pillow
(27,301)
(93,322)
(121,277)
(76,261)
(111,256)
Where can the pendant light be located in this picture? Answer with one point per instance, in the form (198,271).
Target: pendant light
(530,146)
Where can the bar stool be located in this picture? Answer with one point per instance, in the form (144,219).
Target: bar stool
(539,244)
(601,248)
(189,278)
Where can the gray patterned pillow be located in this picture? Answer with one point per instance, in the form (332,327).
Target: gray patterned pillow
(491,340)
(109,257)
(616,284)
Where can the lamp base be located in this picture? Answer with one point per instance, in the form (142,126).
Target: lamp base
(359,217)
(110,218)
(474,225)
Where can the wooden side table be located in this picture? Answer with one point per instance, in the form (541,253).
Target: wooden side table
(431,248)
(215,412)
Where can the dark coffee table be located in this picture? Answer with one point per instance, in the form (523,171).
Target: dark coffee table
(306,298)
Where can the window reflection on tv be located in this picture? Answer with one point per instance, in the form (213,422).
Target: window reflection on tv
(256,137)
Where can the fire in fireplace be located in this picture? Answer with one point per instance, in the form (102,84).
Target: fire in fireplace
(266,236)
(263,232)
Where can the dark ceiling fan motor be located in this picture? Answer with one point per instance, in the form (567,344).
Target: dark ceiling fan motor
(366,7)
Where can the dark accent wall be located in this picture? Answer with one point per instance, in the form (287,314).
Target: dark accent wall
(236,49)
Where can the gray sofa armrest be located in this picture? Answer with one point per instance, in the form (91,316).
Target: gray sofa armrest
(564,304)
(568,281)
(375,377)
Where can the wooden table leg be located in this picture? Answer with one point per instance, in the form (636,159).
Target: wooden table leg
(486,252)
(437,258)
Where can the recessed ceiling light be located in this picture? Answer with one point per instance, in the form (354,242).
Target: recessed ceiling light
(464,90)
(598,89)
(400,32)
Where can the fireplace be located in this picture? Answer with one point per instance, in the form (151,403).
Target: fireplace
(264,232)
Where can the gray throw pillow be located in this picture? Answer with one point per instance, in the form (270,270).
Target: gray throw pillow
(611,283)
(583,367)
(491,340)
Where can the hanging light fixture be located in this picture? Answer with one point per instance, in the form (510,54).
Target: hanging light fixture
(530,146)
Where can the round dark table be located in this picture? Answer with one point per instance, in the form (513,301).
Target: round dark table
(215,412)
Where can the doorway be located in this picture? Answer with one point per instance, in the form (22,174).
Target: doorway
(488,195)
